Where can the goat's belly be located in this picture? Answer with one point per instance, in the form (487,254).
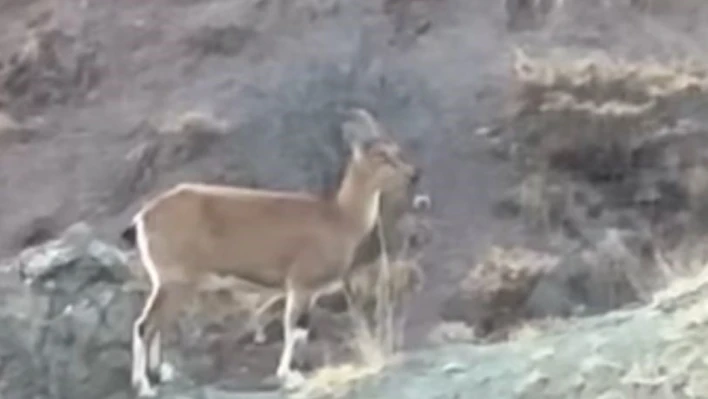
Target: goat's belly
(220,282)
(268,275)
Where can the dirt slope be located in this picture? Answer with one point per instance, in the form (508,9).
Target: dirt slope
(653,352)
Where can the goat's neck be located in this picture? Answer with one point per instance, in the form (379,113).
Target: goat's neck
(358,200)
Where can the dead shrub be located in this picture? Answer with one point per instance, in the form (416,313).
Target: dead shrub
(493,295)
(593,115)
(515,287)
(629,131)
(52,67)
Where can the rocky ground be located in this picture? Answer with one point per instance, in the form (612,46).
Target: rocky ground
(564,154)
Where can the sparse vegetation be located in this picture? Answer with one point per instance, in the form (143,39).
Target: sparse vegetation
(596,115)
(381,291)
(612,171)
(337,380)
(491,298)
(52,67)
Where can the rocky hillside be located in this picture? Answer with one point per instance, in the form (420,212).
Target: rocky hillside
(564,148)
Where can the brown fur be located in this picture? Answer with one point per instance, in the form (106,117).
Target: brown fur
(298,242)
(398,205)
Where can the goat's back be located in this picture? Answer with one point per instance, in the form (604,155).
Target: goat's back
(252,234)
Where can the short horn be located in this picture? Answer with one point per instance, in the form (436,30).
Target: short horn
(368,119)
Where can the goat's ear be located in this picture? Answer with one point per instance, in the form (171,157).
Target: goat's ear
(353,136)
(360,130)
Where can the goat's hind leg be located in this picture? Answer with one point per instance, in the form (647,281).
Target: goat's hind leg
(145,330)
(355,307)
(261,317)
(173,295)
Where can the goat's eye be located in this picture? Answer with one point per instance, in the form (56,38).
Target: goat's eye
(388,159)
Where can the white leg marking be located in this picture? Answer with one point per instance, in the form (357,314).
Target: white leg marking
(258,320)
(259,336)
(140,352)
(139,377)
(289,341)
(291,379)
(154,352)
(146,391)
(138,358)
(167,372)
(301,335)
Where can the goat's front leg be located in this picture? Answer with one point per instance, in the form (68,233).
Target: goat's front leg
(296,303)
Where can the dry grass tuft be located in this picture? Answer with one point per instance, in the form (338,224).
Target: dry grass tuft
(53,66)
(508,273)
(591,114)
(492,297)
(337,380)
(382,291)
(684,270)
(452,331)
(193,122)
(406,278)
(679,368)
(609,148)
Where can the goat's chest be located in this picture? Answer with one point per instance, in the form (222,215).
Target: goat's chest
(320,264)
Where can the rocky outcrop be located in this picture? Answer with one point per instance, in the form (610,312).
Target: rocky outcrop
(67,307)
(65,320)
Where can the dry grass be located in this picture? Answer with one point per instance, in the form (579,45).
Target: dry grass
(684,270)
(492,297)
(594,112)
(452,331)
(406,278)
(337,380)
(606,147)
(673,365)
(385,288)
(51,67)
(679,368)
(508,274)
(190,123)
(499,300)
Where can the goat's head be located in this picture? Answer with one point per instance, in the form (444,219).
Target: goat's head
(377,156)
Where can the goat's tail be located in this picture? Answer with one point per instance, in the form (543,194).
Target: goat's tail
(129,235)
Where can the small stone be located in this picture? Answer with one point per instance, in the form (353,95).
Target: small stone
(453,367)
